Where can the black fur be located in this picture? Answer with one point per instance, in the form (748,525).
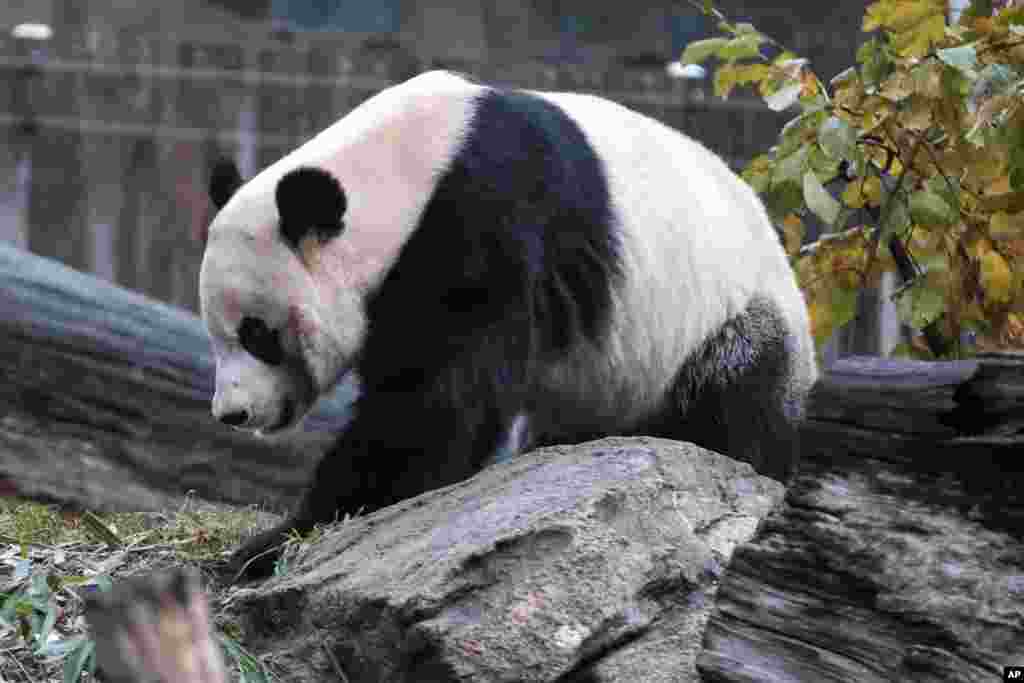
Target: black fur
(224,181)
(309,199)
(512,266)
(730,396)
(513,262)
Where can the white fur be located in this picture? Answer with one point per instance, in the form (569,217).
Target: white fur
(387,154)
(697,247)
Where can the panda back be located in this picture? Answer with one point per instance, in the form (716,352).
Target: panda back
(696,245)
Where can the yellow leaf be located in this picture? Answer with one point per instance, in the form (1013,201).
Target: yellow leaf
(1000,184)
(808,86)
(918,41)
(907,15)
(996,278)
(793,233)
(876,110)
(1013,330)
(897,86)
(873,190)
(913,24)
(852,196)
(821,321)
(725,80)
(849,97)
(1004,225)
(928,79)
(989,110)
(978,167)
(918,116)
(1011,202)
(983,26)
(977,246)
(864,191)
(728,76)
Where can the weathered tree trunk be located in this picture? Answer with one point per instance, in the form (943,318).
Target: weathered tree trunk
(897,555)
(104,400)
(899,552)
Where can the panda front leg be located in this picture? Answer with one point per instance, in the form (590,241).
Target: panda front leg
(399,444)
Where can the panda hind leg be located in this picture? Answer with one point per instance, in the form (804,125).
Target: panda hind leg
(741,394)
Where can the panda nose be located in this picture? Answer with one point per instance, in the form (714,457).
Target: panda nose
(235,419)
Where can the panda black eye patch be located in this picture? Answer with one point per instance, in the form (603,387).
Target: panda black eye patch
(259,341)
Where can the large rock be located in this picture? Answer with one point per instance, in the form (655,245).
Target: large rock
(535,569)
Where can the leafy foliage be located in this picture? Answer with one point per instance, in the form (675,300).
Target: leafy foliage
(919,149)
(51,559)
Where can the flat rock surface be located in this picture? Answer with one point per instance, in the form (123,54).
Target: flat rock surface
(534,569)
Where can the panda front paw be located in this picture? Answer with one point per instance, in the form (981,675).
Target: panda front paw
(257,557)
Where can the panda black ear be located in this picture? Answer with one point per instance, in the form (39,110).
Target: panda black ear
(224,180)
(309,200)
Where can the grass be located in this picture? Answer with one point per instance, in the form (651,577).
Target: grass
(51,558)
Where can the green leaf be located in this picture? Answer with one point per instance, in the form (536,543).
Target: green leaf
(819,200)
(948,190)
(844,305)
(920,304)
(43,635)
(783,198)
(103,582)
(250,669)
(699,50)
(791,137)
(895,216)
(837,138)
(930,208)
(792,167)
(955,84)
(978,8)
(58,649)
(758,173)
(744,47)
(1017,179)
(963,58)
(82,659)
(875,61)
(824,166)
(784,98)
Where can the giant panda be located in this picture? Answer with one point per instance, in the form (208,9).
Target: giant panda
(502,269)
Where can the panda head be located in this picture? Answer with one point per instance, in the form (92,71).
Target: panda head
(283,326)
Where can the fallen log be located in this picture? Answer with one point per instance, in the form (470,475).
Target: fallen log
(899,551)
(104,400)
